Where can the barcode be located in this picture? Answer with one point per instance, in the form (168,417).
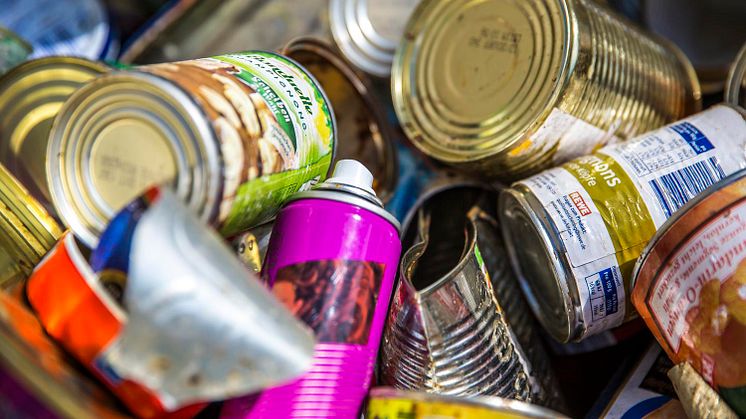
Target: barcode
(677,188)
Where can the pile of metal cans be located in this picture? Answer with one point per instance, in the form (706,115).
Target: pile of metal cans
(364,208)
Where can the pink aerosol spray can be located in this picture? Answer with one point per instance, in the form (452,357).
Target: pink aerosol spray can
(332,260)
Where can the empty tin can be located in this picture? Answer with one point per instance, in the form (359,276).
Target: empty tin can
(369,31)
(575,232)
(690,288)
(450,202)
(31,95)
(388,403)
(735,86)
(507,88)
(164,314)
(332,260)
(13,50)
(362,129)
(235,135)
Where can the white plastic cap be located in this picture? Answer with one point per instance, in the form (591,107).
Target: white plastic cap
(353,173)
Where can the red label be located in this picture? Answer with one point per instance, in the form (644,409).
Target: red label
(580,204)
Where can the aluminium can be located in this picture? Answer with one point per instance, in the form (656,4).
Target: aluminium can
(13,50)
(362,128)
(506,89)
(369,31)
(388,403)
(31,95)
(235,135)
(690,284)
(332,260)
(79,28)
(735,86)
(574,232)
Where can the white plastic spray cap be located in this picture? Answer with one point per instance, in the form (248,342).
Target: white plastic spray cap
(353,173)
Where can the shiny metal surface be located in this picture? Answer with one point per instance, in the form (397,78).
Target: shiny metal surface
(735,86)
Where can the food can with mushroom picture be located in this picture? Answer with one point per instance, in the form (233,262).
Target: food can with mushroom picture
(235,135)
(508,88)
(574,232)
(690,288)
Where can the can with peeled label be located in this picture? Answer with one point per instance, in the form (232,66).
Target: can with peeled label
(589,219)
(235,135)
(690,288)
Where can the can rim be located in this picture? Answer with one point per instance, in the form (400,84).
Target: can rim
(736,76)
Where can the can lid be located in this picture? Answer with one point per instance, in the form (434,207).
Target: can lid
(472,78)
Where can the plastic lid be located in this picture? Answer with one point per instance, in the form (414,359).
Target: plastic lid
(353,173)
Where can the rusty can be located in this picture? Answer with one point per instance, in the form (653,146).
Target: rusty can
(31,95)
(735,86)
(505,89)
(690,288)
(574,232)
(388,403)
(369,31)
(235,135)
(362,128)
(13,50)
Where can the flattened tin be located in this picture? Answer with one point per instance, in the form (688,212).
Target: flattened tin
(13,50)
(506,88)
(369,31)
(235,135)
(387,403)
(31,95)
(362,128)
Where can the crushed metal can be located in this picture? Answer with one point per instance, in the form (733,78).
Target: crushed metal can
(332,261)
(13,50)
(574,232)
(235,135)
(690,288)
(388,403)
(506,89)
(172,328)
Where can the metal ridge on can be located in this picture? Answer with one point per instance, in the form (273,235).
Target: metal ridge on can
(31,95)
(735,86)
(364,132)
(389,403)
(508,88)
(369,31)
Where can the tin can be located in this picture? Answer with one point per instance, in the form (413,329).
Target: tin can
(369,31)
(735,86)
(235,135)
(36,377)
(387,403)
(589,219)
(505,89)
(191,29)
(363,131)
(446,332)
(165,315)
(31,95)
(79,28)
(27,232)
(698,399)
(13,50)
(689,285)
(332,260)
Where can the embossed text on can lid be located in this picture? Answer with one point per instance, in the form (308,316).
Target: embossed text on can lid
(368,31)
(30,97)
(471,78)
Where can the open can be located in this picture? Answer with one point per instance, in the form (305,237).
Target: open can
(507,88)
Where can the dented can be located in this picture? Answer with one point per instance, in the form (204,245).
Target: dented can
(575,232)
(235,135)
(505,89)
(170,329)
(332,260)
(387,403)
(690,288)
(31,95)
(363,131)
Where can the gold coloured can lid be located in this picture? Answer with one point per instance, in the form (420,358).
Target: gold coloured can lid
(30,97)
(471,78)
(368,31)
(735,87)
(122,133)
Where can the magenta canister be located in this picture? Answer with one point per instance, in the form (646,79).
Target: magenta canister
(332,260)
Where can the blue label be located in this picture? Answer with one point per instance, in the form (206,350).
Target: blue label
(610,295)
(106,370)
(693,136)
